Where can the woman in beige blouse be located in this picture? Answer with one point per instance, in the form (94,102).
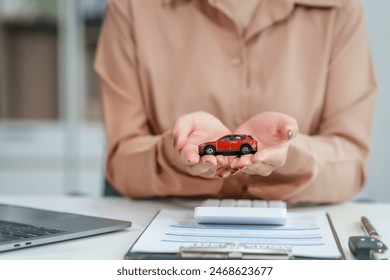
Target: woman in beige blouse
(176,73)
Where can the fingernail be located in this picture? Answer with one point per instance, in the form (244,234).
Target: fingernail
(227,174)
(224,174)
(289,134)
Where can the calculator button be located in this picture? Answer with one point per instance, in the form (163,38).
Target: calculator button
(244,203)
(260,203)
(227,203)
(276,204)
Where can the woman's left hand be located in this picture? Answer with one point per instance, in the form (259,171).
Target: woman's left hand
(273,132)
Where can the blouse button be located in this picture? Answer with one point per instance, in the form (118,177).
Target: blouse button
(236,61)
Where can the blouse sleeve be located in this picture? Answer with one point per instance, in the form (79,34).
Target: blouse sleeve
(331,165)
(138,163)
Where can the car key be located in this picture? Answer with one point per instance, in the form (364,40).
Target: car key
(367,248)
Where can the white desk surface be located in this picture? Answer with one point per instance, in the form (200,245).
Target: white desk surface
(345,217)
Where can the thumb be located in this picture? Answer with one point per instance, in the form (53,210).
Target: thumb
(180,132)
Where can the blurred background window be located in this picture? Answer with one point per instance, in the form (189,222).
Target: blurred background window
(51,136)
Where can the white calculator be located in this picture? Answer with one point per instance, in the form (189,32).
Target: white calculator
(241,211)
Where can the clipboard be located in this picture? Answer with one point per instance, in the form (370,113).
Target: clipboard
(232,251)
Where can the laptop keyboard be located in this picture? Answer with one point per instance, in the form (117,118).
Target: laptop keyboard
(241,211)
(10,231)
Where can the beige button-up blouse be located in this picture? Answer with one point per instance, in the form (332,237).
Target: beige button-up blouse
(310,59)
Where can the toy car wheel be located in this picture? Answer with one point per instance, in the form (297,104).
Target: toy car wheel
(209,150)
(245,149)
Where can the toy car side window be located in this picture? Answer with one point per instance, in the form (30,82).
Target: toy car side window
(227,138)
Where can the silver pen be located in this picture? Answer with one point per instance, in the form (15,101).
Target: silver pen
(380,251)
(369,228)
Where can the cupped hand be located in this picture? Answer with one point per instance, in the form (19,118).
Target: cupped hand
(273,131)
(193,129)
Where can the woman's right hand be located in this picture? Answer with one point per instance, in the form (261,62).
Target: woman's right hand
(193,129)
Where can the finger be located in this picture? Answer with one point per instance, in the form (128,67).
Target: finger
(200,170)
(259,168)
(234,163)
(289,128)
(189,156)
(197,170)
(205,166)
(230,159)
(221,160)
(234,171)
(203,170)
(244,161)
(224,172)
(181,130)
(208,161)
(275,156)
(213,173)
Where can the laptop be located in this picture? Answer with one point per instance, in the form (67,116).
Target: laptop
(22,227)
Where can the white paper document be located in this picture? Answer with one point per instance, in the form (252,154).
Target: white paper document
(306,234)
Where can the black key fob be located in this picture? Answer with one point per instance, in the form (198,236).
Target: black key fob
(367,248)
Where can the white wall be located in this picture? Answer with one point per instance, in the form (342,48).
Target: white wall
(378,25)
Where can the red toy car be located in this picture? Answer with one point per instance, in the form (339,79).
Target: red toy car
(232,144)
